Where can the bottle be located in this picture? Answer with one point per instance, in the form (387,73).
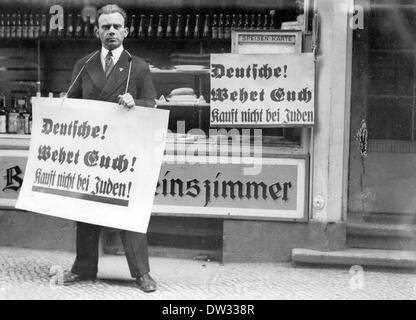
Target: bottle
(240,24)
(196,28)
(234,22)
(53,30)
(20,123)
(169,31)
(36,29)
(221,27)
(272,25)
(19,28)
(150,27)
(30,121)
(159,31)
(227,27)
(87,30)
(26,116)
(132,29)
(7,27)
(13,27)
(60,31)
(259,26)
(178,28)
(43,27)
(187,27)
(31,27)
(69,27)
(206,33)
(266,22)
(2,25)
(78,27)
(140,32)
(3,114)
(214,29)
(94,27)
(12,117)
(20,120)
(24,26)
(253,22)
(246,22)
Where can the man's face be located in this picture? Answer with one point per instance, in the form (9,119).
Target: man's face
(111,30)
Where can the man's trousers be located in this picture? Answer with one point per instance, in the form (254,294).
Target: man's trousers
(86,262)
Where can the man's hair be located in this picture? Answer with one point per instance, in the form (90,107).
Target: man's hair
(111,8)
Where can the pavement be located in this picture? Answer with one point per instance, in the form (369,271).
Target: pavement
(25,274)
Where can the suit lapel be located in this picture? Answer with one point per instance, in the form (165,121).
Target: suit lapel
(96,72)
(117,76)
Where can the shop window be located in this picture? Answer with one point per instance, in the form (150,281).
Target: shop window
(58,51)
(391,91)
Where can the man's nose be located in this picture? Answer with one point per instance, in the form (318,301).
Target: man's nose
(112,30)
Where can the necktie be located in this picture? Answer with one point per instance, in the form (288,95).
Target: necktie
(109,63)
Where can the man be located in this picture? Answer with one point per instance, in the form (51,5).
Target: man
(113,75)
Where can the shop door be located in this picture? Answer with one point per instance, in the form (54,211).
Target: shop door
(382,166)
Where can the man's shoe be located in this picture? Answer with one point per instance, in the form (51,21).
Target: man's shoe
(69,278)
(146,283)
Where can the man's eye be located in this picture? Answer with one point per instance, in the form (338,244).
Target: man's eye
(116,27)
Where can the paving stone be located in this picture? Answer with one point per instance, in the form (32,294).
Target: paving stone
(24,274)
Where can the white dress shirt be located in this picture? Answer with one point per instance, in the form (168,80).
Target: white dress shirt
(116,55)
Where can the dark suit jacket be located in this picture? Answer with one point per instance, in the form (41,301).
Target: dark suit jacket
(92,83)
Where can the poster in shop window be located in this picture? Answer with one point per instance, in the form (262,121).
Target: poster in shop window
(262,90)
(94,162)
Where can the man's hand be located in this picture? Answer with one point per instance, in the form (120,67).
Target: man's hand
(126,100)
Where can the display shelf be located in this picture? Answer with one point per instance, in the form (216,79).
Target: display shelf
(176,71)
(215,142)
(182,104)
(14,141)
(128,40)
(160,4)
(14,136)
(222,146)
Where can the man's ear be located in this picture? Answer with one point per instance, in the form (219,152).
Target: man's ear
(126,32)
(97,34)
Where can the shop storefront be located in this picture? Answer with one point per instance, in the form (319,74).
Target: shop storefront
(211,208)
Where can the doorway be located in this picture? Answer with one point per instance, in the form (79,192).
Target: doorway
(382,168)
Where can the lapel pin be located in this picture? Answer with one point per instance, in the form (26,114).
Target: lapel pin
(121,69)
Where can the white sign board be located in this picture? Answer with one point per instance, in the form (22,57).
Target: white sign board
(262,90)
(94,162)
(262,41)
(218,187)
